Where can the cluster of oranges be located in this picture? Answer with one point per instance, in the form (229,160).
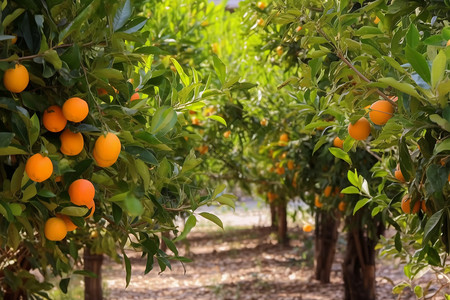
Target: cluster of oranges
(379,113)
(39,167)
(327,192)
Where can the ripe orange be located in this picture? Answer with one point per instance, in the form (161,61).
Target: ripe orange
(101,162)
(448,43)
(195,121)
(284,138)
(337,142)
(53,119)
(290,165)
(75,109)
(449,177)
(377,20)
(227,134)
(398,174)
(342,206)
(16,80)
(261,5)
(58,178)
(406,205)
(327,191)
(102,92)
(55,229)
(14,40)
(279,50)
(263,122)
(423,206)
(203,149)
(71,143)
(107,148)
(271,196)
(215,48)
(39,168)
(69,224)
(280,170)
(135,96)
(91,205)
(307,228)
(81,192)
(298,28)
(260,22)
(317,202)
(380,112)
(360,130)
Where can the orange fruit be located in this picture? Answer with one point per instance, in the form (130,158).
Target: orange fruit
(82,192)
(215,48)
(280,170)
(380,112)
(261,5)
(279,50)
(290,165)
(55,229)
(203,149)
(337,142)
(406,205)
(448,43)
(71,143)
(342,206)
(423,206)
(135,96)
(69,224)
(227,134)
(377,20)
(101,162)
(263,122)
(317,202)
(284,138)
(307,228)
(14,39)
(107,148)
(204,23)
(449,177)
(53,119)
(195,121)
(91,205)
(298,28)
(58,178)
(102,92)
(16,79)
(398,174)
(39,168)
(360,130)
(327,191)
(271,196)
(75,109)
(260,22)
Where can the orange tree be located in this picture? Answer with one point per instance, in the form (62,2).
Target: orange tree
(358,53)
(81,164)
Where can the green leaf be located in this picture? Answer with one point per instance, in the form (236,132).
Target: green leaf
(432,228)
(339,153)
(52,57)
(350,190)
(127,268)
(360,204)
(122,15)
(401,86)
(398,242)
(442,146)
(443,123)
(29,192)
(438,68)
(74,211)
(108,73)
(46,194)
(35,129)
(418,291)
(419,63)
(184,78)
(64,284)
(144,172)
(190,223)
(323,139)
(219,189)
(80,19)
(16,180)
(164,120)
(353,178)
(412,36)
(227,200)
(143,154)
(220,69)
(212,218)
(11,17)
(170,245)
(134,206)
(394,64)
(5,139)
(218,119)
(406,163)
(13,236)
(398,289)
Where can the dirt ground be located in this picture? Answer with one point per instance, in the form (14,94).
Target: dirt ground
(242,263)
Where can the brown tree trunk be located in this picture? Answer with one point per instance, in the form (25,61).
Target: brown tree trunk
(326,235)
(282,222)
(273,216)
(93,285)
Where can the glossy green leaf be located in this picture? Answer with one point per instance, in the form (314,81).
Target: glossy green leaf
(190,223)
(438,68)
(184,78)
(401,86)
(122,15)
(419,63)
(339,153)
(212,218)
(360,204)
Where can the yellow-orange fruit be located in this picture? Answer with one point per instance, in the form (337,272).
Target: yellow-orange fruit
(279,50)
(317,202)
(298,28)
(260,22)
(406,205)
(377,20)
(39,168)
(342,206)
(227,134)
(215,48)
(14,39)
(280,170)
(81,192)
(398,174)
(100,162)
(69,224)
(16,79)
(307,228)
(360,130)
(53,119)
(448,43)
(71,143)
(380,112)
(290,165)
(195,121)
(261,5)
(327,191)
(75,109)
(55,229)
(135,96)
(102,92)
(107,148)
(91,205)
(423,206)
(263,122)
(337,142)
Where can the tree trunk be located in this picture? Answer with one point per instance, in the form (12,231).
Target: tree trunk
(93,286)
(273,216)
(326,235)
(282,222)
